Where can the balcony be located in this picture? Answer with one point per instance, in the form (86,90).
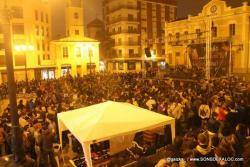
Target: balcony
(121,7)
(122,19)
(194,39)
(135,31)
(135,55)
(127,44)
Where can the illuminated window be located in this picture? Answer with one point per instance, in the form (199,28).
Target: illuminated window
(65,52)
(37,30)
(214,31)
(120,66)
(42,29)
(119,41)
(130,28)
(46,56)
(232,29)
(177,35)
(17,12)
(114,66)
(47,32)
(39,60)
(170,36)
(120,52)
(47,18)
(42,19)
(43,45)
(170,58)
(198,32)
(163,51)
(76,16)
(78,52)
(38,45)
(131,66)
(2,61)
(18,28)
(119,29)
(130,17)
(131,52)
(76,32)
(36,14)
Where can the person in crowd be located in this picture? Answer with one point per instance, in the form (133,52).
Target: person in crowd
(2,141)
(188,102)
(204,113)
(202,150)
(175,148)
(47,146)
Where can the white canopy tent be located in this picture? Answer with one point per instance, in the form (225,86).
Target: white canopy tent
(107,120)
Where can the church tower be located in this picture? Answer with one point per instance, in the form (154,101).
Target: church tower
(74,18)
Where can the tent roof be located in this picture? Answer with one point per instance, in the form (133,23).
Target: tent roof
(110,119)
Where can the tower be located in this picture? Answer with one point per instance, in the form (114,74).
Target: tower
(74,18)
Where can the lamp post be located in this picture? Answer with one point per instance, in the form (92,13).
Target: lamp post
(17,145)
(90,59)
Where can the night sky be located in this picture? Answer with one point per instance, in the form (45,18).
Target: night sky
(93,9)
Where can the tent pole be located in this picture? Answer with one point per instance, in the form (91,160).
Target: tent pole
(87,154)
(173,131)
(60,132)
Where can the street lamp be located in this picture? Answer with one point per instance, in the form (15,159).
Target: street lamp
(90,58)
(17,144)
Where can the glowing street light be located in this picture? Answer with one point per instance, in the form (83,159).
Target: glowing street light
(24,48)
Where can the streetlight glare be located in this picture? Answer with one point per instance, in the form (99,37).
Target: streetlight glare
(22,48)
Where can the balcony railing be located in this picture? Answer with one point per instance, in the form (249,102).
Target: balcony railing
(127,44)
(122,19)
(124,31)
(195,40)
(121,7)
(134,55)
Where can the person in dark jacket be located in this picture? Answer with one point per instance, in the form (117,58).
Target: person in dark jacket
(47,147)
(202,150)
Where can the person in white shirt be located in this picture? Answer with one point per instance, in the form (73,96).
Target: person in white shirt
(150,103)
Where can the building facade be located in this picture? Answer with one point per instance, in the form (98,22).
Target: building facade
(31,34)
(220,31)
(135,25)
(75,54)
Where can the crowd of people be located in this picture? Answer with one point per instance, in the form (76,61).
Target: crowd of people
(212,116)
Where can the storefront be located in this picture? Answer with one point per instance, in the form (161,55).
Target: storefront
(65,69)
(48,74)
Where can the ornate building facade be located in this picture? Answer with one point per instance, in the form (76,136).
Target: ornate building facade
(219,31)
